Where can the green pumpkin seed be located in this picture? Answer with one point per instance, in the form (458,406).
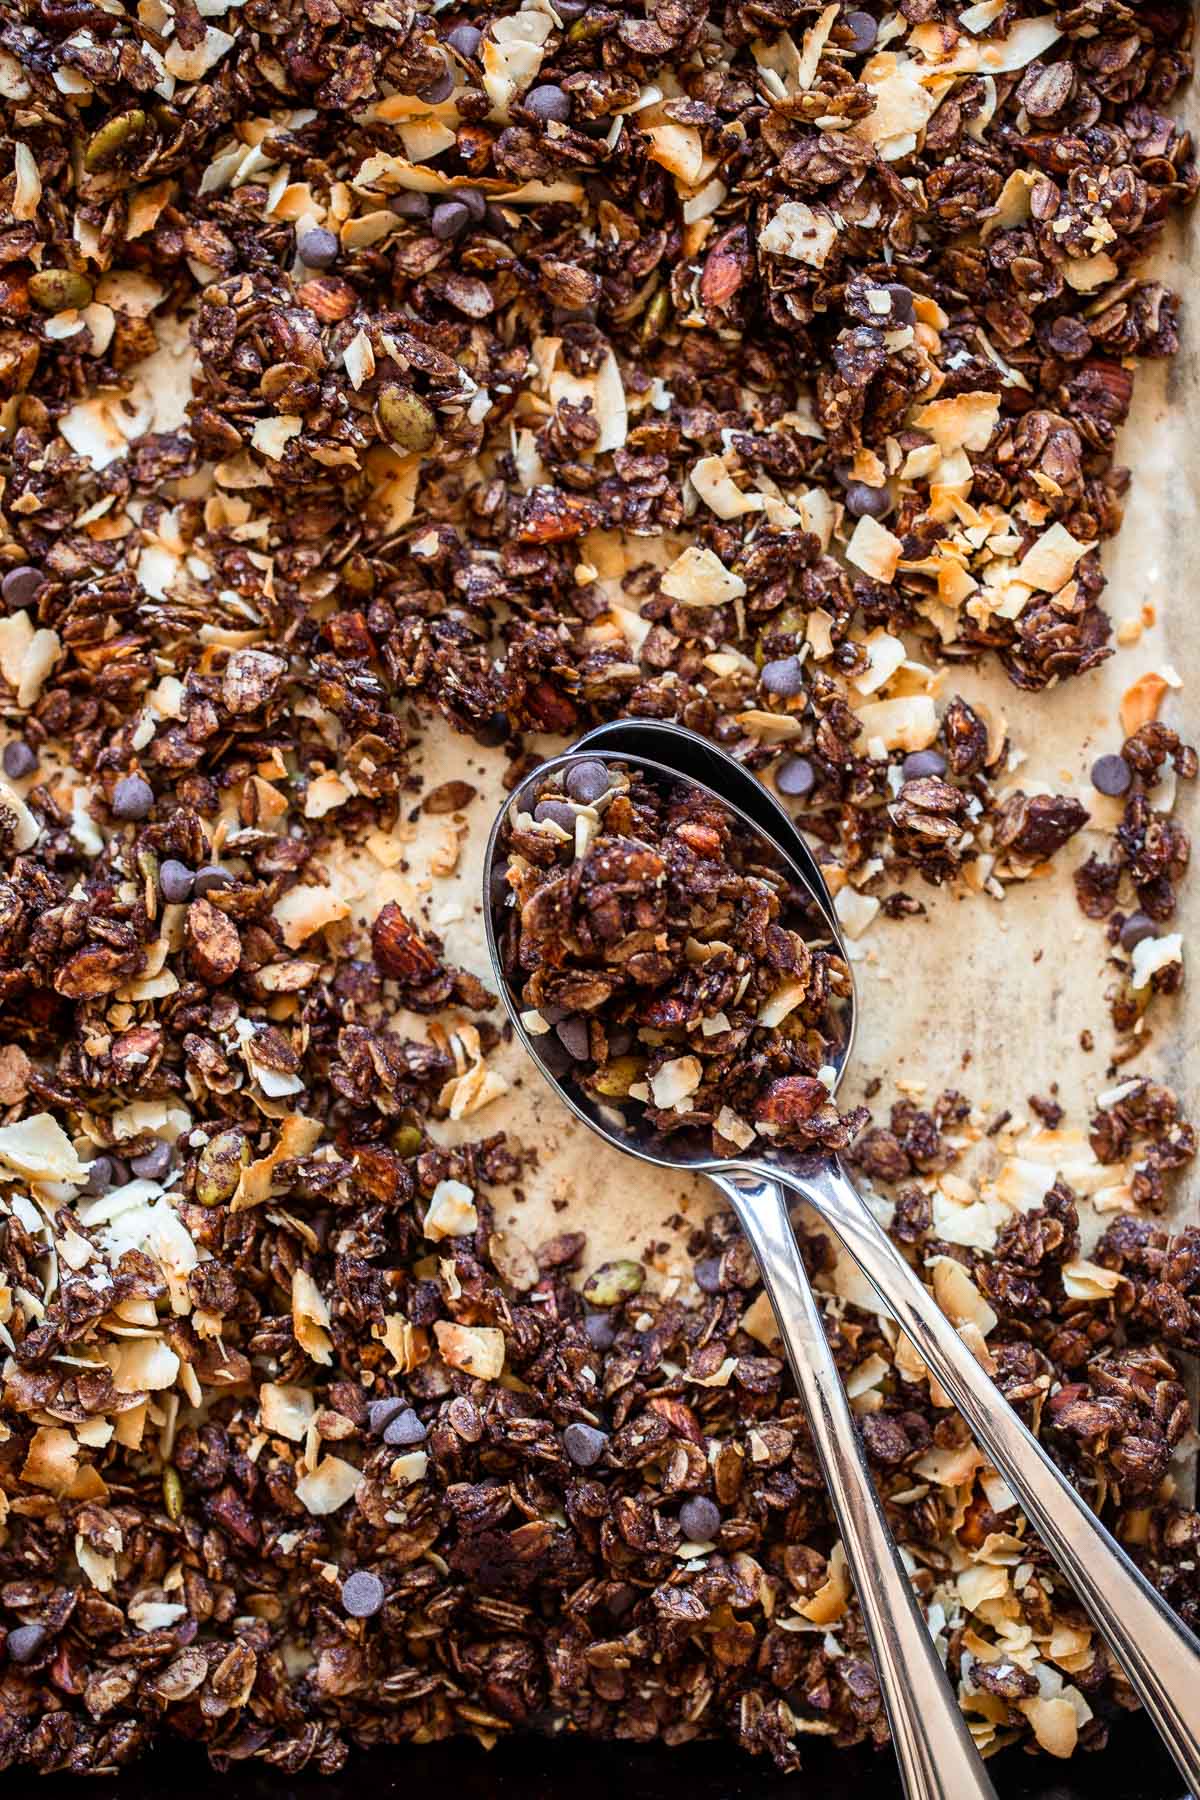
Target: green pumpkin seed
(616,1078)
(172,1493)
(107,143)
(405,420)
(54,290)
(406,1140)
(219,1168)
(613,1282)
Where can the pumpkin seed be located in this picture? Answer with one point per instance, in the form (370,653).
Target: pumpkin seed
(172,1492)
(54,290)
(613,1282)
(107,143)
(220,1166)
(405,420)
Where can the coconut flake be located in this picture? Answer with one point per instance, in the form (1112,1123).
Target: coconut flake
(906,723)
(512,54)
(886,657)
(287,1410)
(477,1350)
(310,1316)
(328,1487)
(964,422)
(1153,954)
(700,578)
(1050,562)
(39,1148)
(805,233)
(271,436)
(717,488)
(451,1211)
(27,192)
(675,1080)
(874,549)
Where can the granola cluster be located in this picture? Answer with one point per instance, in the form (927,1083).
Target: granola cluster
(752,365)
(654,944)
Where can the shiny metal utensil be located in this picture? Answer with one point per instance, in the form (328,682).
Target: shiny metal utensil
(934,1748)
(1158,1654)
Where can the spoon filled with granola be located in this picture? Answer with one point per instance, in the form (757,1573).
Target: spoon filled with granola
(670,957)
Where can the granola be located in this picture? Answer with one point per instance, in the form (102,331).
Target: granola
(655,946)
(756,366)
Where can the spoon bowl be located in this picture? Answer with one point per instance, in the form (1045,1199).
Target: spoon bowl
(811,912)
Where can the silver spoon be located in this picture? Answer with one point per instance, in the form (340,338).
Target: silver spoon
(936,1753)
(1160,1657)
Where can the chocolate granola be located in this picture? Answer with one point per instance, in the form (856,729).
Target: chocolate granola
(655,948)
(757,366)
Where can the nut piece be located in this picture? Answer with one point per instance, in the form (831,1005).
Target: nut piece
(399,949)
(214,948)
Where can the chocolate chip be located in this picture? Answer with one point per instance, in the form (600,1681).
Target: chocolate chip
(796,776)
(26,1642)
(101,1175)
(380,1413)
(363,1594)
(864,31)
(584,1444)
(784,676)
(904,311)
(20,587)
(318,248)
(411,206)
(551,1053)
(586,782)
(866,502)
(19,760)
(450,219)
(1111,775)
(499,226)
(574,1037)
(465,39)
(210,876)
(599,1331)
(921,763)
(548,101)
(700,1520)
(620,1042)
(153,1164)
(175,881)
(555,812)
(132,799)
(405,1429)
(474,200)
(1137,927)
(438,90)
(708,1275)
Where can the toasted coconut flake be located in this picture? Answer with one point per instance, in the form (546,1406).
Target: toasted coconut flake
(451,1211)
(287,1410)
(328,1487)
(1086,1280)
(194,63)
(53,1460)
(828,1604)
(1141,701)
(271,436)
(1153,954)
(783,1001)
(1087,273)
(408,1344)
(477,1350)
(949,1468)
(39,1148)
(1050,563)
(717,488)
(736,1131)
(959,1298)
(886,656)
(700,578)
(302,911)
(874,549)
(677,148)
(902,107)
(27,192)
(676,1080)
(907,723)
(359,359)
(17,818)
(142,1365)
(310,1316)
(805,233)
(1054,1724)
(855,911)
(963,422)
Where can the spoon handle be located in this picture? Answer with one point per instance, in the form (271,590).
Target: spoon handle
(1158,1654)
(937,1755)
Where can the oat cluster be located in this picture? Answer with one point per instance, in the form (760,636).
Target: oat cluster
(750,364)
